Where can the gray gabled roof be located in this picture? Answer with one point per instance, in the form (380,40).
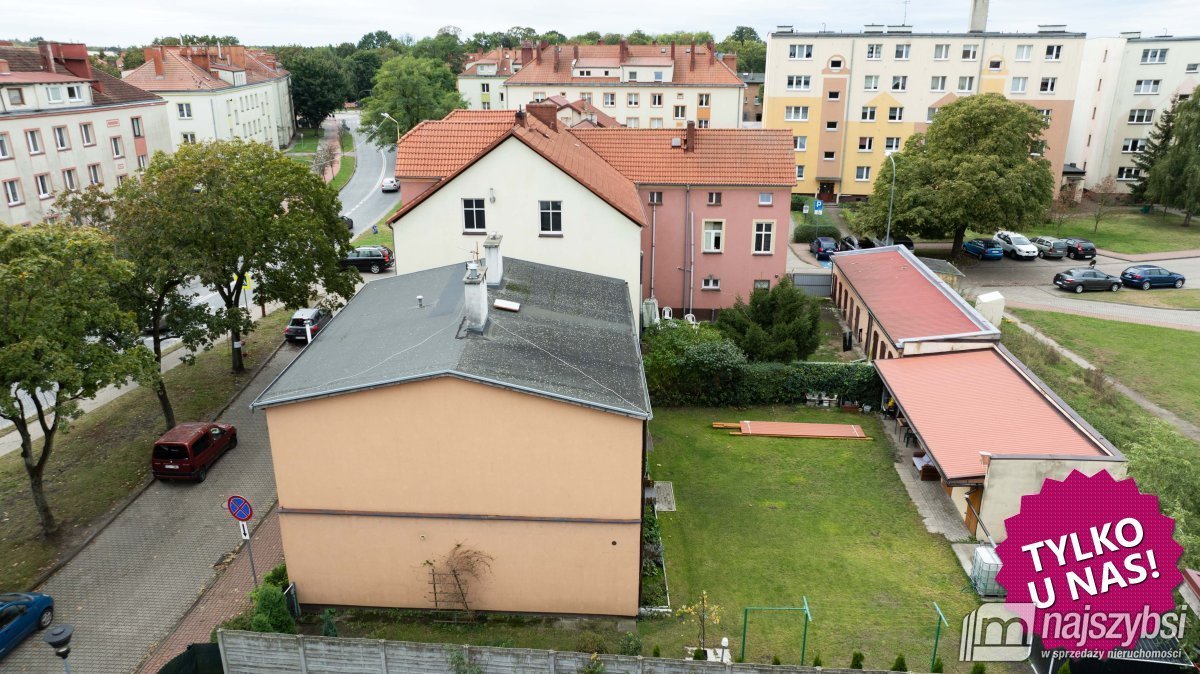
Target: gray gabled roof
(573,340)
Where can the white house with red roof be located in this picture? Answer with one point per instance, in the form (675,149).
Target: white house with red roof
(65,126)
(219,92)
(481,82)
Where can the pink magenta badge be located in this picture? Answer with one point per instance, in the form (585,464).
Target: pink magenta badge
(1097,560)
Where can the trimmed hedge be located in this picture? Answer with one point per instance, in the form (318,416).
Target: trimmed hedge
(748,384)
(806,233)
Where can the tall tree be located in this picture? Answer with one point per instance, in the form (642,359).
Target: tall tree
(979,165)
(553,37)
(411,90)
(375,40)
(444,48)
(1175,178)
(1156,146)
(363,65)
(781,324)
(320,83)
(518,34)
(247,211)
(744,34)
(132,58)
(63,338)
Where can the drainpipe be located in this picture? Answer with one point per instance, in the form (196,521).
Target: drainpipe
(691,259)
(653,221)
(687,207)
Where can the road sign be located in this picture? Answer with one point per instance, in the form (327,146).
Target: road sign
(245,529)
(240,508)
(806,209)
(246,282)
(819,207)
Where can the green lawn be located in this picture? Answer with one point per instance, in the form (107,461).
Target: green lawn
(384,237)
(1128,230)
(347,140)
(345,172)
(1157,362)
(105,456)
(1163,298)
(307,143)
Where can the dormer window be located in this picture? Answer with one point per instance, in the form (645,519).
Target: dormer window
(74,93)
(632,75)
(54,94)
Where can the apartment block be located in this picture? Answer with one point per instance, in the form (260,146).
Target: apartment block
(65,126)
(641,86)
(1131,80)
(850,99)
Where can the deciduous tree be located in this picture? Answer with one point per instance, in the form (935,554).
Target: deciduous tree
(363,65)
(1175,178)
(63,338)
(320,82)
(1104,197)
(411,90)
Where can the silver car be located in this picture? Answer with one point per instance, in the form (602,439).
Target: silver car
(390,185)
(1049,247)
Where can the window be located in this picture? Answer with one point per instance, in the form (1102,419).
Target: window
(795,113)
(137,127)
(54,94)
(766,198)
(486,105)
(85,132)
(189,137)
(800,172)
(609,100)
(937,83)
(1019,85)
(970,52)
(586,96)
(656,122)
(799,143)
(929,113)
(1133,145)
(834,95)
(891,144)
(632,75)
(866,143)
(835,64)
(714,198)
(42,182)
(656,100)
(658,75)
(1045,113)
(831,125)
(680,112)
(710,283)
(184,110)
(485,88)
(862,173)
(12,192)
(871,83)
(714,236)
(61,141)
(94,176)
(33,139)
(551,212)
(74,93)
(539,96)
(1192,68)
(1048,85)
(656,198)
(5,150)
(703,100)
(633,100)
(764,238)
(941,52)
(1054,52)
(799,82)
(874,52)
(800,51)
(762,284)
(1154,56)
(902,51)
(868,113)
(585,73)
(829,155)
(1146,86)
(1141,116)
(16,97)
(69,180)
(899,82)
(966,84)
(1024,52)
(474,219)
(995,64)
(895,114)
(118,147)
(1129,173)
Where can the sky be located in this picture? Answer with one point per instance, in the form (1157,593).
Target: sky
(306,22)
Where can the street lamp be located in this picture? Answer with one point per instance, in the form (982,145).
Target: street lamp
(887,238)
(393,120)
(59,638)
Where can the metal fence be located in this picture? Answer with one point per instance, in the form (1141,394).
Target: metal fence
(816,283)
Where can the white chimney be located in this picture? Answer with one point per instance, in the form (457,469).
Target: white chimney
(979,16)
(475,293)
(493,259)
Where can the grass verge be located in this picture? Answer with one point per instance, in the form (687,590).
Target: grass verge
(381,238)
(347,140)
(1162,298)
(1128,230)
(345,172)
(104,456)
(306,140)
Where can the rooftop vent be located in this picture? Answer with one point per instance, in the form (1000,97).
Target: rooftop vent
(902,28)
(507,305)
(1052,28)
(873,28)
(783,29)
(1131,34)
(676,142)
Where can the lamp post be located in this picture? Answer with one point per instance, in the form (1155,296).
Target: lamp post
(393,121)
(887,238)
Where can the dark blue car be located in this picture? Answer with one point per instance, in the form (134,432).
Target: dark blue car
(22,613)
(822,246)
(1147,276)
(984,249)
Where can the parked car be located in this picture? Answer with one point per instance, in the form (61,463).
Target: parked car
(984,249)
(822,246)
(1086,278)
(374,259)
(21,614)
(901,240)
(312,319)
(390,185)
(849,243)
(347,222)
(1050,248)
(1016,245)
(1147,276)
(1080,249)
(870,242)
(187,451)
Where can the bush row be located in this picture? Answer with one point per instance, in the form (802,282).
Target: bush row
(805,233)
(746,384)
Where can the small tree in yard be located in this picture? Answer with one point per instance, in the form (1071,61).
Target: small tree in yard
(856,660)
(979,668)
(899,664)
(781,324)
(702,614)
(1062,208)
(1105,197)
(270,612)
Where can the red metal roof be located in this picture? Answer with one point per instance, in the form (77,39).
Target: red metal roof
(965,403)
(719,157)
(907,303)
(38,78)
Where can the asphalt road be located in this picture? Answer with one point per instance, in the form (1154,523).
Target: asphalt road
(361,199)
(1039,272)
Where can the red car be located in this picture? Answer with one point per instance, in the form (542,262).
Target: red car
(187,451)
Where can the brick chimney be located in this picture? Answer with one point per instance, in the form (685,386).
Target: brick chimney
(672,50)
(712,53)
(155,55)
(693,55)
(689,139)
(526,52)
(47,52)
(623,53)
(475,310)
(557,50)
(493,259)
(520,117)
(545,113)
(4,66)
(730,61)
(237,55)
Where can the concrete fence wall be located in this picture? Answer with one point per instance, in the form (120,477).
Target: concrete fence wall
(254,653)
(815,283)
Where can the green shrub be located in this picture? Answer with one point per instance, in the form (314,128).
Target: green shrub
(817,661)
(978,668)
(938,666)
(856,660)
(277,577)
(328,626)
(657,652)
(798,201)
(460,664)
(782,324)
(240,621)
(591,642)
(631,644)
(699,654)
(775,660)
(899,665)
(594,666)
(270,611)
(806,232)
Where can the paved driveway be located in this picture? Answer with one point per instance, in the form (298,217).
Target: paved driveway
(129,588)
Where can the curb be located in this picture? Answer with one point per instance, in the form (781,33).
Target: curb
(134,495)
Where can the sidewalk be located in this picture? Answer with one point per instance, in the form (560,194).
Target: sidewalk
(1151,257)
